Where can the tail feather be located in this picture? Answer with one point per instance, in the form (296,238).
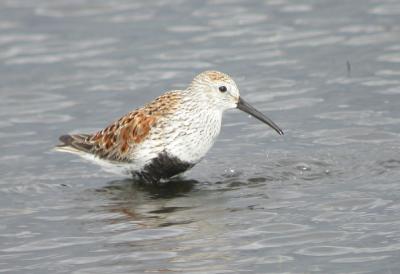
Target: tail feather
(75,143)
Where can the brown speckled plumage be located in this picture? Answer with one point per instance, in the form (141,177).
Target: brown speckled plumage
(120,138)
(217,76)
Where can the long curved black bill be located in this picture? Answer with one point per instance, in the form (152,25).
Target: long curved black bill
(246,107)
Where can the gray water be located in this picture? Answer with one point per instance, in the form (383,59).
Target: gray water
(325,198)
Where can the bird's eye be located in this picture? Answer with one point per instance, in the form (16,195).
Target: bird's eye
(222,88)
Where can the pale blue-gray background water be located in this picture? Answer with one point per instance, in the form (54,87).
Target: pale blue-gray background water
(325,198)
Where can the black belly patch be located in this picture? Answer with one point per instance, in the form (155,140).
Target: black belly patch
(163,167)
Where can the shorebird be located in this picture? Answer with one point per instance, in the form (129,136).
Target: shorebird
(168,135)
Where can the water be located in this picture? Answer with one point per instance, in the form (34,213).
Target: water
(322,199)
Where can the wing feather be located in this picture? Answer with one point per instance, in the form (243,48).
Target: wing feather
(117,141)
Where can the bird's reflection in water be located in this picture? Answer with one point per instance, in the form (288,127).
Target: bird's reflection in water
(147,205)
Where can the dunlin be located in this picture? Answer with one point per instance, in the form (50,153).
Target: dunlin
(167,136)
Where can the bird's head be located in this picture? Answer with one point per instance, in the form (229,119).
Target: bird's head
(221,92)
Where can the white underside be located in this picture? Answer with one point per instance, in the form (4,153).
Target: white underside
(114,167)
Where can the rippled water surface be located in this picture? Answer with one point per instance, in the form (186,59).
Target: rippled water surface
(325,198)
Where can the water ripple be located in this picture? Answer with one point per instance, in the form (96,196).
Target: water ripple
(50,244)
(361,118)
